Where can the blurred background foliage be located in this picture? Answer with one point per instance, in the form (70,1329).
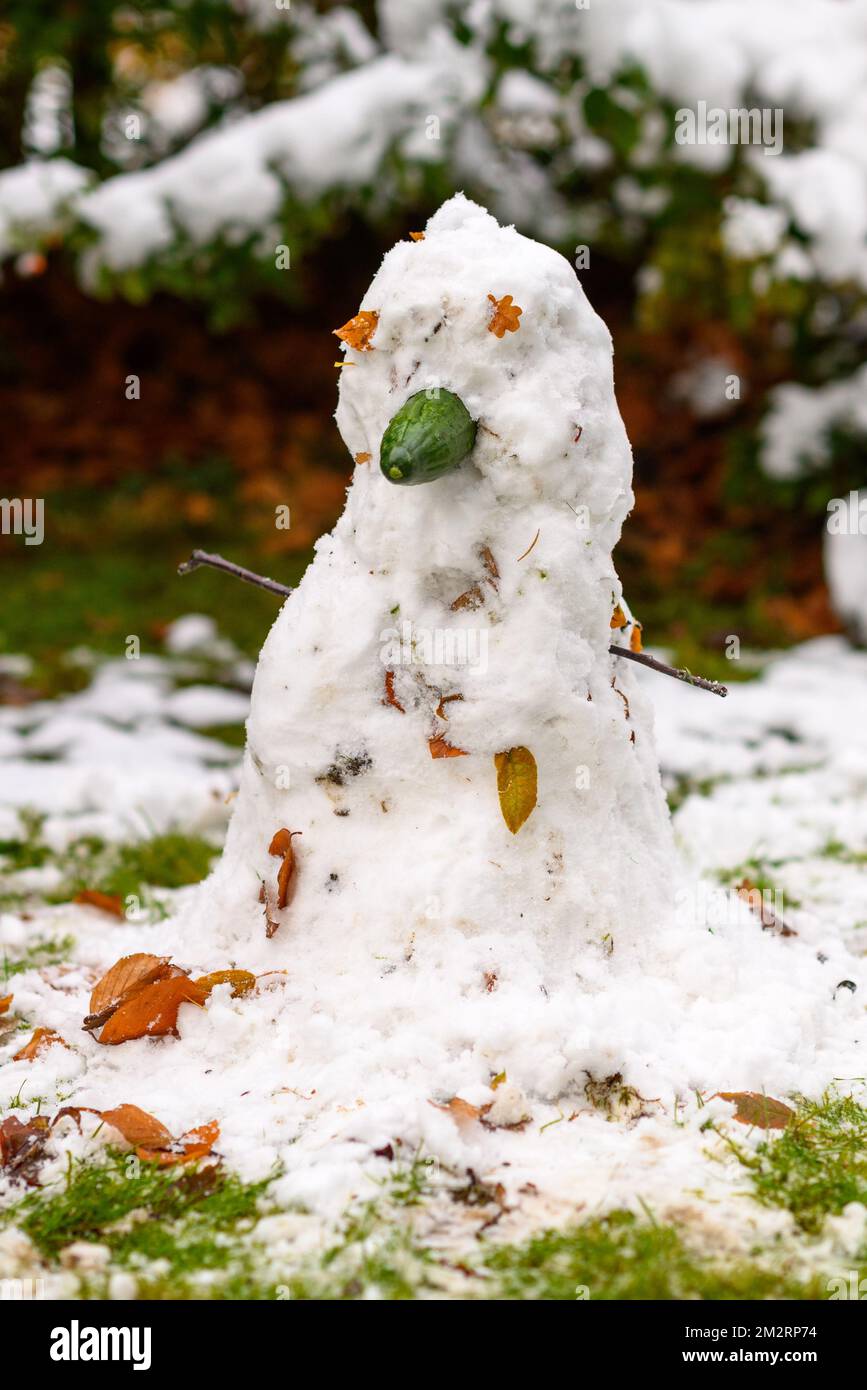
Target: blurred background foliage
(159,156)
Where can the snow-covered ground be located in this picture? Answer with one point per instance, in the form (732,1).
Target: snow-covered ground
(780,771)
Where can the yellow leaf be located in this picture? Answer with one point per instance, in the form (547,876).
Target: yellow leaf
(618,618)
(516,784)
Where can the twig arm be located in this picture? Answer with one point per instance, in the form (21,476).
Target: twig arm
(201,557)
(679,673)
(217,562)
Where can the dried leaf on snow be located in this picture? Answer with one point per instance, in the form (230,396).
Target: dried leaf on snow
(22,1145)
(137,1126)
(106,902)
(753,895)
(5,1001)
(389,697)
(125,978)
(440,749)
(359,330)
(196,1143)
(635,642)
(618,618)
(242,981)
(42,1038)
(761,1112)
(506,316)
(517,780)
(281,848)
(152,1012)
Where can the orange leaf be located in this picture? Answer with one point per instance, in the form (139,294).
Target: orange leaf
(362,458)
(416,236)
(106,902)
(461,1111)
(390,698)
(506,316)
(635,643)
(281,847)
(753,895)
(152,1012)
(137,1126)
(242,981)
(42,1037)
(125,978)
(618,618)
(359,331)
(762,1112)
(196,1143)
(5,1001)
(440,749)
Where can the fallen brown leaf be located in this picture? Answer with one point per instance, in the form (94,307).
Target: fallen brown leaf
(440,749)
(362,458)
(22,1146)
(42,1038)
(471,598)
(761,1112)
(196,1143)
(281,848)
(461,1111)
(390,698)
(119,984)
(753,895)
(242,981)
(152,1012)
(506,316)
(359,330)
(5,1001)
(106,902)
(137,1126)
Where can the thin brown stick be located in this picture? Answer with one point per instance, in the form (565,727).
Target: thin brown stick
(679,673)
(201,557)
(217,562)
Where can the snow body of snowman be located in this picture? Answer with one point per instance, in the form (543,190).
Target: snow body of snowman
(445,624)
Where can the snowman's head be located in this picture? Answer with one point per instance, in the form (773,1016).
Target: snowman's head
(480,362)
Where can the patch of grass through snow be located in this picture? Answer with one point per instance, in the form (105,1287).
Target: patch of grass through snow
(817,1165)
(167,860)
(189,1234)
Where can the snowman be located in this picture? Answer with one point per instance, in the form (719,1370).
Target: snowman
(443,756)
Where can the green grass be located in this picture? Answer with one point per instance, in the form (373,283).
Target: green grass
(621,1256)
(42,953)
(192,1220)
(167,860)
(816,1166)
(197,1224)
(108,569)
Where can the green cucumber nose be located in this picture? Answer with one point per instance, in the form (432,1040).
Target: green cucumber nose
(431,434)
